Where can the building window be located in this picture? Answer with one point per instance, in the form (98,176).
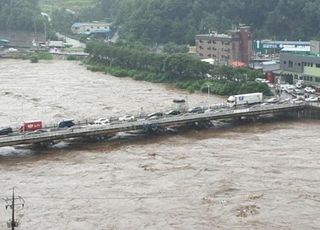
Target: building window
(310,78)
(284,62)
(295,77)
(290,64)
(317,79)
(299,64)
(318,65)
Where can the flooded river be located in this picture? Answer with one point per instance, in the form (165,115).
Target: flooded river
(263,175)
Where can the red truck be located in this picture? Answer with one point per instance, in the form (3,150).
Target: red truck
(28,126)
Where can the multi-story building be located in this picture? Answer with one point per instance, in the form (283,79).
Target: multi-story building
(235,45)
(302,66)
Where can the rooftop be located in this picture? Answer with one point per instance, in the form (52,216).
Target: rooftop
(296,49)
(306,43)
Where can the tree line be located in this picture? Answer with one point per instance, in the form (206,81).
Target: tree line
(178,21)
(20,15)
(184,71)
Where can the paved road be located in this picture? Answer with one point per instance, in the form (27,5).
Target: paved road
(75,43)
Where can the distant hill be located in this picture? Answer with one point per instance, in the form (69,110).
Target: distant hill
(162,21)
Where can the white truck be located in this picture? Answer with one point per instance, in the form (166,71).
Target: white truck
(245,99)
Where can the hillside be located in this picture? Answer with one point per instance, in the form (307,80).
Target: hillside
(162,21)
(51,5)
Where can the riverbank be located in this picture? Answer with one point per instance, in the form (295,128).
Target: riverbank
(181,70)
(217,87)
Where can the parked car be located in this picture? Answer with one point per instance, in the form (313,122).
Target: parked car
(298,91)
(312,99)
(272,100)
(309,90)
(300,84)
(127,118)
(101,121)
(12,50)
(209,111)
(5,130)
(289,89)
(155,115)
(196,110)
(66,123)
(295,101)
(173,112)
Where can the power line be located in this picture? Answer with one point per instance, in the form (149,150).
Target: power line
(13,203)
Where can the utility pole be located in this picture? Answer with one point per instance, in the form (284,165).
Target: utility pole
(11,204)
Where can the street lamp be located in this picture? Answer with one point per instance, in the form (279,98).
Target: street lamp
(43,14)
(208,85)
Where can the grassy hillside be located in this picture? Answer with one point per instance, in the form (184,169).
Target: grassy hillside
(50,5)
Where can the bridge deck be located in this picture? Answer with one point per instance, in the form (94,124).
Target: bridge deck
(93,130)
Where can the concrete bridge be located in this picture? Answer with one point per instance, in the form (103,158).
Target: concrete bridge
(86,131)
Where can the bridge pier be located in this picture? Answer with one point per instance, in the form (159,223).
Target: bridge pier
(153,128)
(311,112)
(200,124)
(42,145)
(97,137)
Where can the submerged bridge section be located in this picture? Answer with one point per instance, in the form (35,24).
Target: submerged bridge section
(50,135)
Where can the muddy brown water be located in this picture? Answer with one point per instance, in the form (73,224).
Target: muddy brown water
(254,176)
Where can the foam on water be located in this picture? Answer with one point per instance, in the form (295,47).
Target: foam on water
(12,151)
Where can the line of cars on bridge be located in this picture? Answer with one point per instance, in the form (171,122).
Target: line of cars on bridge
(36,126)
(244,100)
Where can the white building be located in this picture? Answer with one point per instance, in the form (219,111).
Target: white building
(89,27)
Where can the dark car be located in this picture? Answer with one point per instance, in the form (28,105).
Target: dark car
(66,123)
(5,131)
(173,112)
(196,110)
(154,115)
